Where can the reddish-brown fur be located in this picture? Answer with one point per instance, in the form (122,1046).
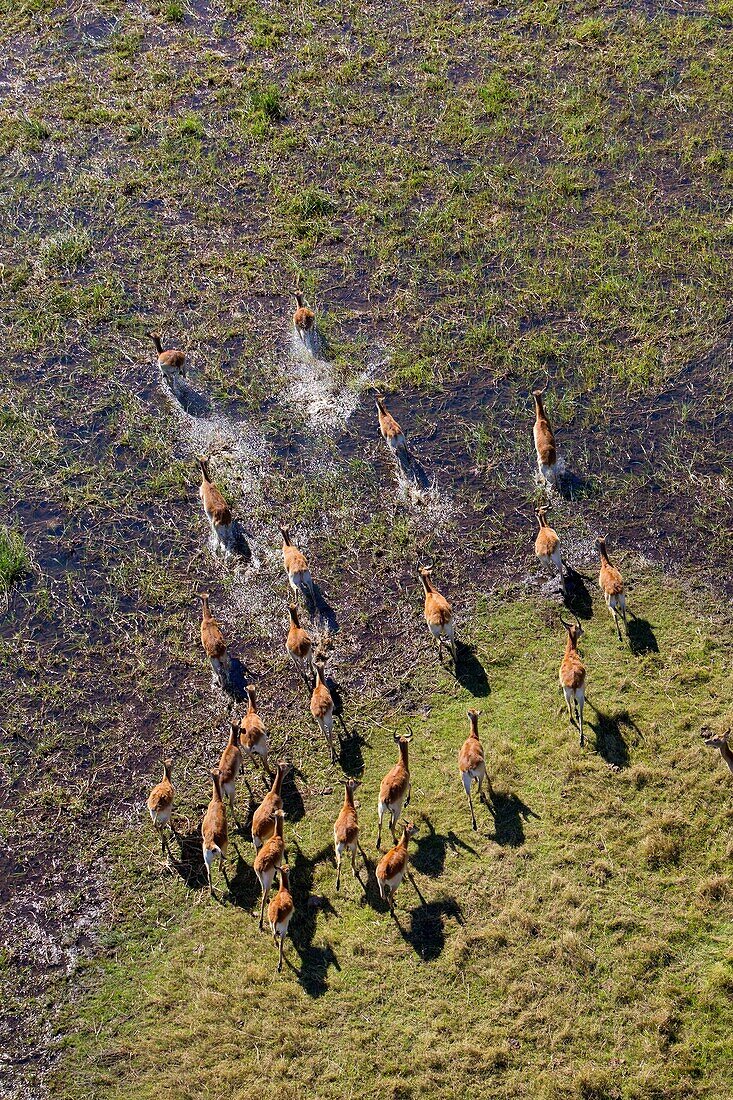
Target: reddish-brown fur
(438,611)
(544,440)
(280,911)
(547,540)
(161,796)
(609,578)
(252,726)
(303,318)
(298,642)
(173,358)
(214,504)
(394,789)
(388,426)
(212,638)
(230,762)
(719,742)
(394,863)
(263,822)
(269,857)
(346,829)
(572,670)
(214,829)
(294,559)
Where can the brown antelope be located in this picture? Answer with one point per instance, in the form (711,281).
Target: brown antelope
(393,865)
(214,832)
(268,859)
(160,803)
(297,569)
(299,646)
(218,512)
(254,735)
(171,363)
(438,613)
(263,822)
(547,547)
(394,790)
(544,441)
(304,319)
(322,706)
(230,765)
(472,764)
(346,830)
(572,674)
(612,586)
(279,912)
(719,741)
(213,642)
(391,431)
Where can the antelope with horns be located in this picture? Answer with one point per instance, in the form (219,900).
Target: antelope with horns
(299,646)
(544,441)
(171,364)
(297,569)
(230,765)
(719,741)
(268,859)
(160,804)
(253,735)
(572,674)
(263,822)
(346,830)
(391,432)
(612,585)
(304,321)
(322,706)
(218,512)
(279,912)
(472,764)
(394,790)
(393,865)
(547,547)
(213,642)
(214,832)
(438,613)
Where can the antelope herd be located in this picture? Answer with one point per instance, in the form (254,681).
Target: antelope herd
(248,736)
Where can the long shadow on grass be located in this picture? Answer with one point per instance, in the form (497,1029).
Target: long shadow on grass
(469,671)
(293,804)
(609,731)
(430,851)
(351,757)
(577,597)
(323,614)
(427,926)
(315,960)
(510,814)
(642,638)
(189,865)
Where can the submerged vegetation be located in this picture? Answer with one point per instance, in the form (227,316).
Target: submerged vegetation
(476,200)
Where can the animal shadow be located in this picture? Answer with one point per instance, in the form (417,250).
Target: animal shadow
(293,804)
(412,471)
(324,615)
(571,486)
(239,544)
(642,638)
(577,597)
(610,740)
(510,814)
(244,887)
(469,671)
(430,851)
(190,864)
(427,927)
(238,677)
(315,960)
(351,757)
(193,402)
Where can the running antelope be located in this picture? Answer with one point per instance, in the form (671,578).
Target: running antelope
(547,547)
(438,613)
(719,741)
(279,912)
(572,674)
(160,804)
(544,441)
(263,822)
(218,512)
(299,646)
(213,642)
(612,586)
(214,832)
(171,363)
(393,865)
(297,569)
(394,790)
(322,706)
(472,764)
(304,320)
(230,765)
(391,431)
(268,859)
(255,741)
(346,830)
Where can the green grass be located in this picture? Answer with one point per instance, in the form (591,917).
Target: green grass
(577,945)
(14,559)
